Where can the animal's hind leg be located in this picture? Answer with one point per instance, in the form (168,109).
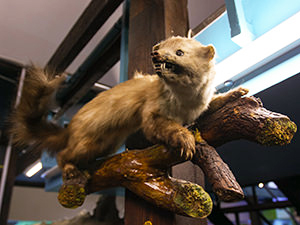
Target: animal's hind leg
(72,193)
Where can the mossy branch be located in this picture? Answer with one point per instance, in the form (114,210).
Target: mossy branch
(145,171)
(246,118)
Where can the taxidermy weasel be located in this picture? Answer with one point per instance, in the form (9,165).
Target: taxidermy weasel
(159,104)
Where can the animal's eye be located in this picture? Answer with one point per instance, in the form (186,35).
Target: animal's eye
(179,52)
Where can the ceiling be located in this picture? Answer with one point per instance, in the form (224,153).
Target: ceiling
(32,30)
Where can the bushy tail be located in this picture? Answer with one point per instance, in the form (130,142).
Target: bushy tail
(29,120)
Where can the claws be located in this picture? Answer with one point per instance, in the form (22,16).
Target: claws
(184,141)
(188,154)
(181,152)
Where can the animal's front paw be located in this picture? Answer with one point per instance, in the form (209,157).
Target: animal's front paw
(184,141)
(238,92)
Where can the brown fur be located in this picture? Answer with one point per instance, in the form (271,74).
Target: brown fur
(159,104)
(29,122)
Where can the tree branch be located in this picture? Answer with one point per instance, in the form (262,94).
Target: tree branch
(145,171)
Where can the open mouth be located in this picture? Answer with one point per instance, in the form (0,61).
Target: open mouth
(164,66)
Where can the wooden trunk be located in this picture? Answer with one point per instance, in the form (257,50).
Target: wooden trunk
(150,22)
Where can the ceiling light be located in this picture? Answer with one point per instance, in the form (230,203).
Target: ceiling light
(261,185)
(262,50)
(273,76)
(272,185)
(102,86)
(34,168)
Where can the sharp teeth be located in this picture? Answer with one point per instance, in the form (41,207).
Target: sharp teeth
(165,66)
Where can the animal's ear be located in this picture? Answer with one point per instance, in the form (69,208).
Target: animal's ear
(189,34)
(209,52)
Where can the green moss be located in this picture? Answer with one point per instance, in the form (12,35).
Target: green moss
(277,132)
(193,200)
(71,196)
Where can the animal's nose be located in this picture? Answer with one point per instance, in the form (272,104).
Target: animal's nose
(156,57)
(155,53)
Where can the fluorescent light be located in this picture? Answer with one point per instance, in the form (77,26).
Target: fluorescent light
(273,76)
(102,86)
(36,167)
(265,48)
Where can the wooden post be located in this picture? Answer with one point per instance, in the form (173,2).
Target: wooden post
(150,22)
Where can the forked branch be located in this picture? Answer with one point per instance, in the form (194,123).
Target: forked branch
(145,172)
